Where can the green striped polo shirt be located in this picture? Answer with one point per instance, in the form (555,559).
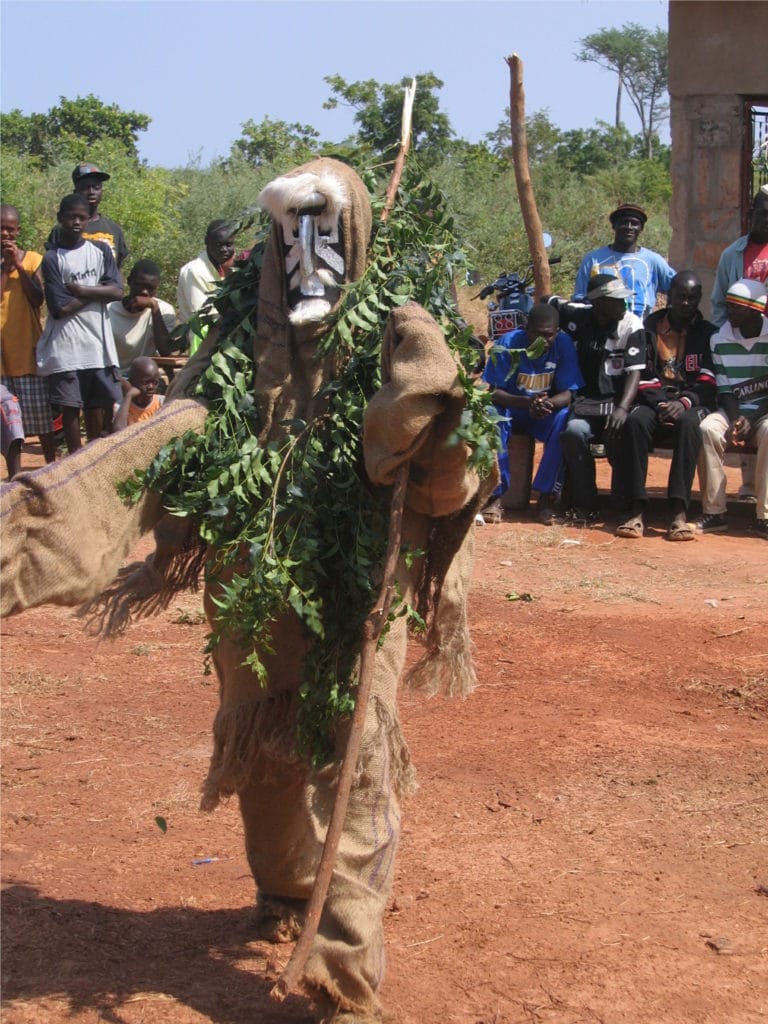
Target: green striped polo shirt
(741,367)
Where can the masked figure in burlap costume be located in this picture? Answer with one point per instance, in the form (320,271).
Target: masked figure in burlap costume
(321,218)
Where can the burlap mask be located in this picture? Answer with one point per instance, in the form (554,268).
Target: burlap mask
(288,375)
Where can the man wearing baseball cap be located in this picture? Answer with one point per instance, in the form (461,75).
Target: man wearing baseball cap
(611,346)
(740,358)
(643,271)
(88,181)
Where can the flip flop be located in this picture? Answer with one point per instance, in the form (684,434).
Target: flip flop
(492,514)
(681,531)
(632,529)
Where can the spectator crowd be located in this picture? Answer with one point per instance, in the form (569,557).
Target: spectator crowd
(605,371)
(608,372)
(95,355)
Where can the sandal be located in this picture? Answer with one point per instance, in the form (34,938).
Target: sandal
(492,514)
(681,531)
(631,528)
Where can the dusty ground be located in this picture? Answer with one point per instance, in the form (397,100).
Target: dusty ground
(589,842)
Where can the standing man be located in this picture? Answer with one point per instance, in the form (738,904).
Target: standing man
(746,257)
(202,275)
(611,344)
(88,182)
(740,358)
(676,392)
(20,327)
(643,271)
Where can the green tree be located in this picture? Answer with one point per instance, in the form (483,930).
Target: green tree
(69,130)
(276,141)
(379,113)
(639,57)
(588,150)
(541,135)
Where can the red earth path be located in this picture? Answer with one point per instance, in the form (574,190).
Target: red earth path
(589,842)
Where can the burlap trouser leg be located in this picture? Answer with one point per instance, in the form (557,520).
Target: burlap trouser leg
(286,808)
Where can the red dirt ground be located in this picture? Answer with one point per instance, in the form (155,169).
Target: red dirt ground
(589,842)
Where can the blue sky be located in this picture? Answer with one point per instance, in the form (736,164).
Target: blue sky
(200,69)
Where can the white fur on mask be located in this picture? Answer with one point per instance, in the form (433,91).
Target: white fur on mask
(282,197)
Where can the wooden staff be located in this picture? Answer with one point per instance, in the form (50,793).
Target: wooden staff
(541,272)
(374,624)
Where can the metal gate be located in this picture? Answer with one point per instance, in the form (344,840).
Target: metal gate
(754,164)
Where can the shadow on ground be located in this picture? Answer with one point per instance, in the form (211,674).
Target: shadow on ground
(101,957)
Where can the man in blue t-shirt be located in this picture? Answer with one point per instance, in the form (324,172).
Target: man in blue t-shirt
(643,271)
(533,394)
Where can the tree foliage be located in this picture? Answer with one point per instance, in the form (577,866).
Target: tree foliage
(379,111)
(639,57)
(541,135)
(578,176)
(69,130)
(272,142)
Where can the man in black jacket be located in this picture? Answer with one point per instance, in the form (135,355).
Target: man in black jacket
(611,346)
(676,392)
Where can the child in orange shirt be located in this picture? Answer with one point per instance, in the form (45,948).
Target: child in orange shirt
(140,400)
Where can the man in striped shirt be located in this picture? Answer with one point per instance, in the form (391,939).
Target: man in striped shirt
(740,359)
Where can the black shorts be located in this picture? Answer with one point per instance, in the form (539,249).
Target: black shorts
(85,389)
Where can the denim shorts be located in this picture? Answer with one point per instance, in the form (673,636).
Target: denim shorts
(85,389)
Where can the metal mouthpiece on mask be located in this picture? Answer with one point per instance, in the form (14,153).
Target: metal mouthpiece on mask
(310,282)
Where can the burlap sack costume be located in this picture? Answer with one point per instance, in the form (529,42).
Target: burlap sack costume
(285,805)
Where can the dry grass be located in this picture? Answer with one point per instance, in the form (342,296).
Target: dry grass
(19,682)
(143,650)
(181,800)
(750,693)
(190,616)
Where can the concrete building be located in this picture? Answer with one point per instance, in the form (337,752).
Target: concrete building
(718,86)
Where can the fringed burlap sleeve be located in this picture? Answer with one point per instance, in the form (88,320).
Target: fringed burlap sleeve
(411,419)
(414,413)
(65,529)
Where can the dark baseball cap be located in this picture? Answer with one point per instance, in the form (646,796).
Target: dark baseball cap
(88,171)
(638,211)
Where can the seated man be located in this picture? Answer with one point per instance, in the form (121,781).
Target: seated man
(676,393)
(142,323)
(642,270)
(740,358)
(202,275)
(532,392)
(610,344)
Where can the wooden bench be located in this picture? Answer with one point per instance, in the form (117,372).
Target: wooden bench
(522,451)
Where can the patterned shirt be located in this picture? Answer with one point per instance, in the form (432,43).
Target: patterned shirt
(741,368)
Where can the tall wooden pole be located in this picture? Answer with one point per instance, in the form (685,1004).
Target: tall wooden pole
(541,273)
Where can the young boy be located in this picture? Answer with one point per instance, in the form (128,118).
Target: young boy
(20,327)
(140,400)
(740,357)
(142,323)
(76,351)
